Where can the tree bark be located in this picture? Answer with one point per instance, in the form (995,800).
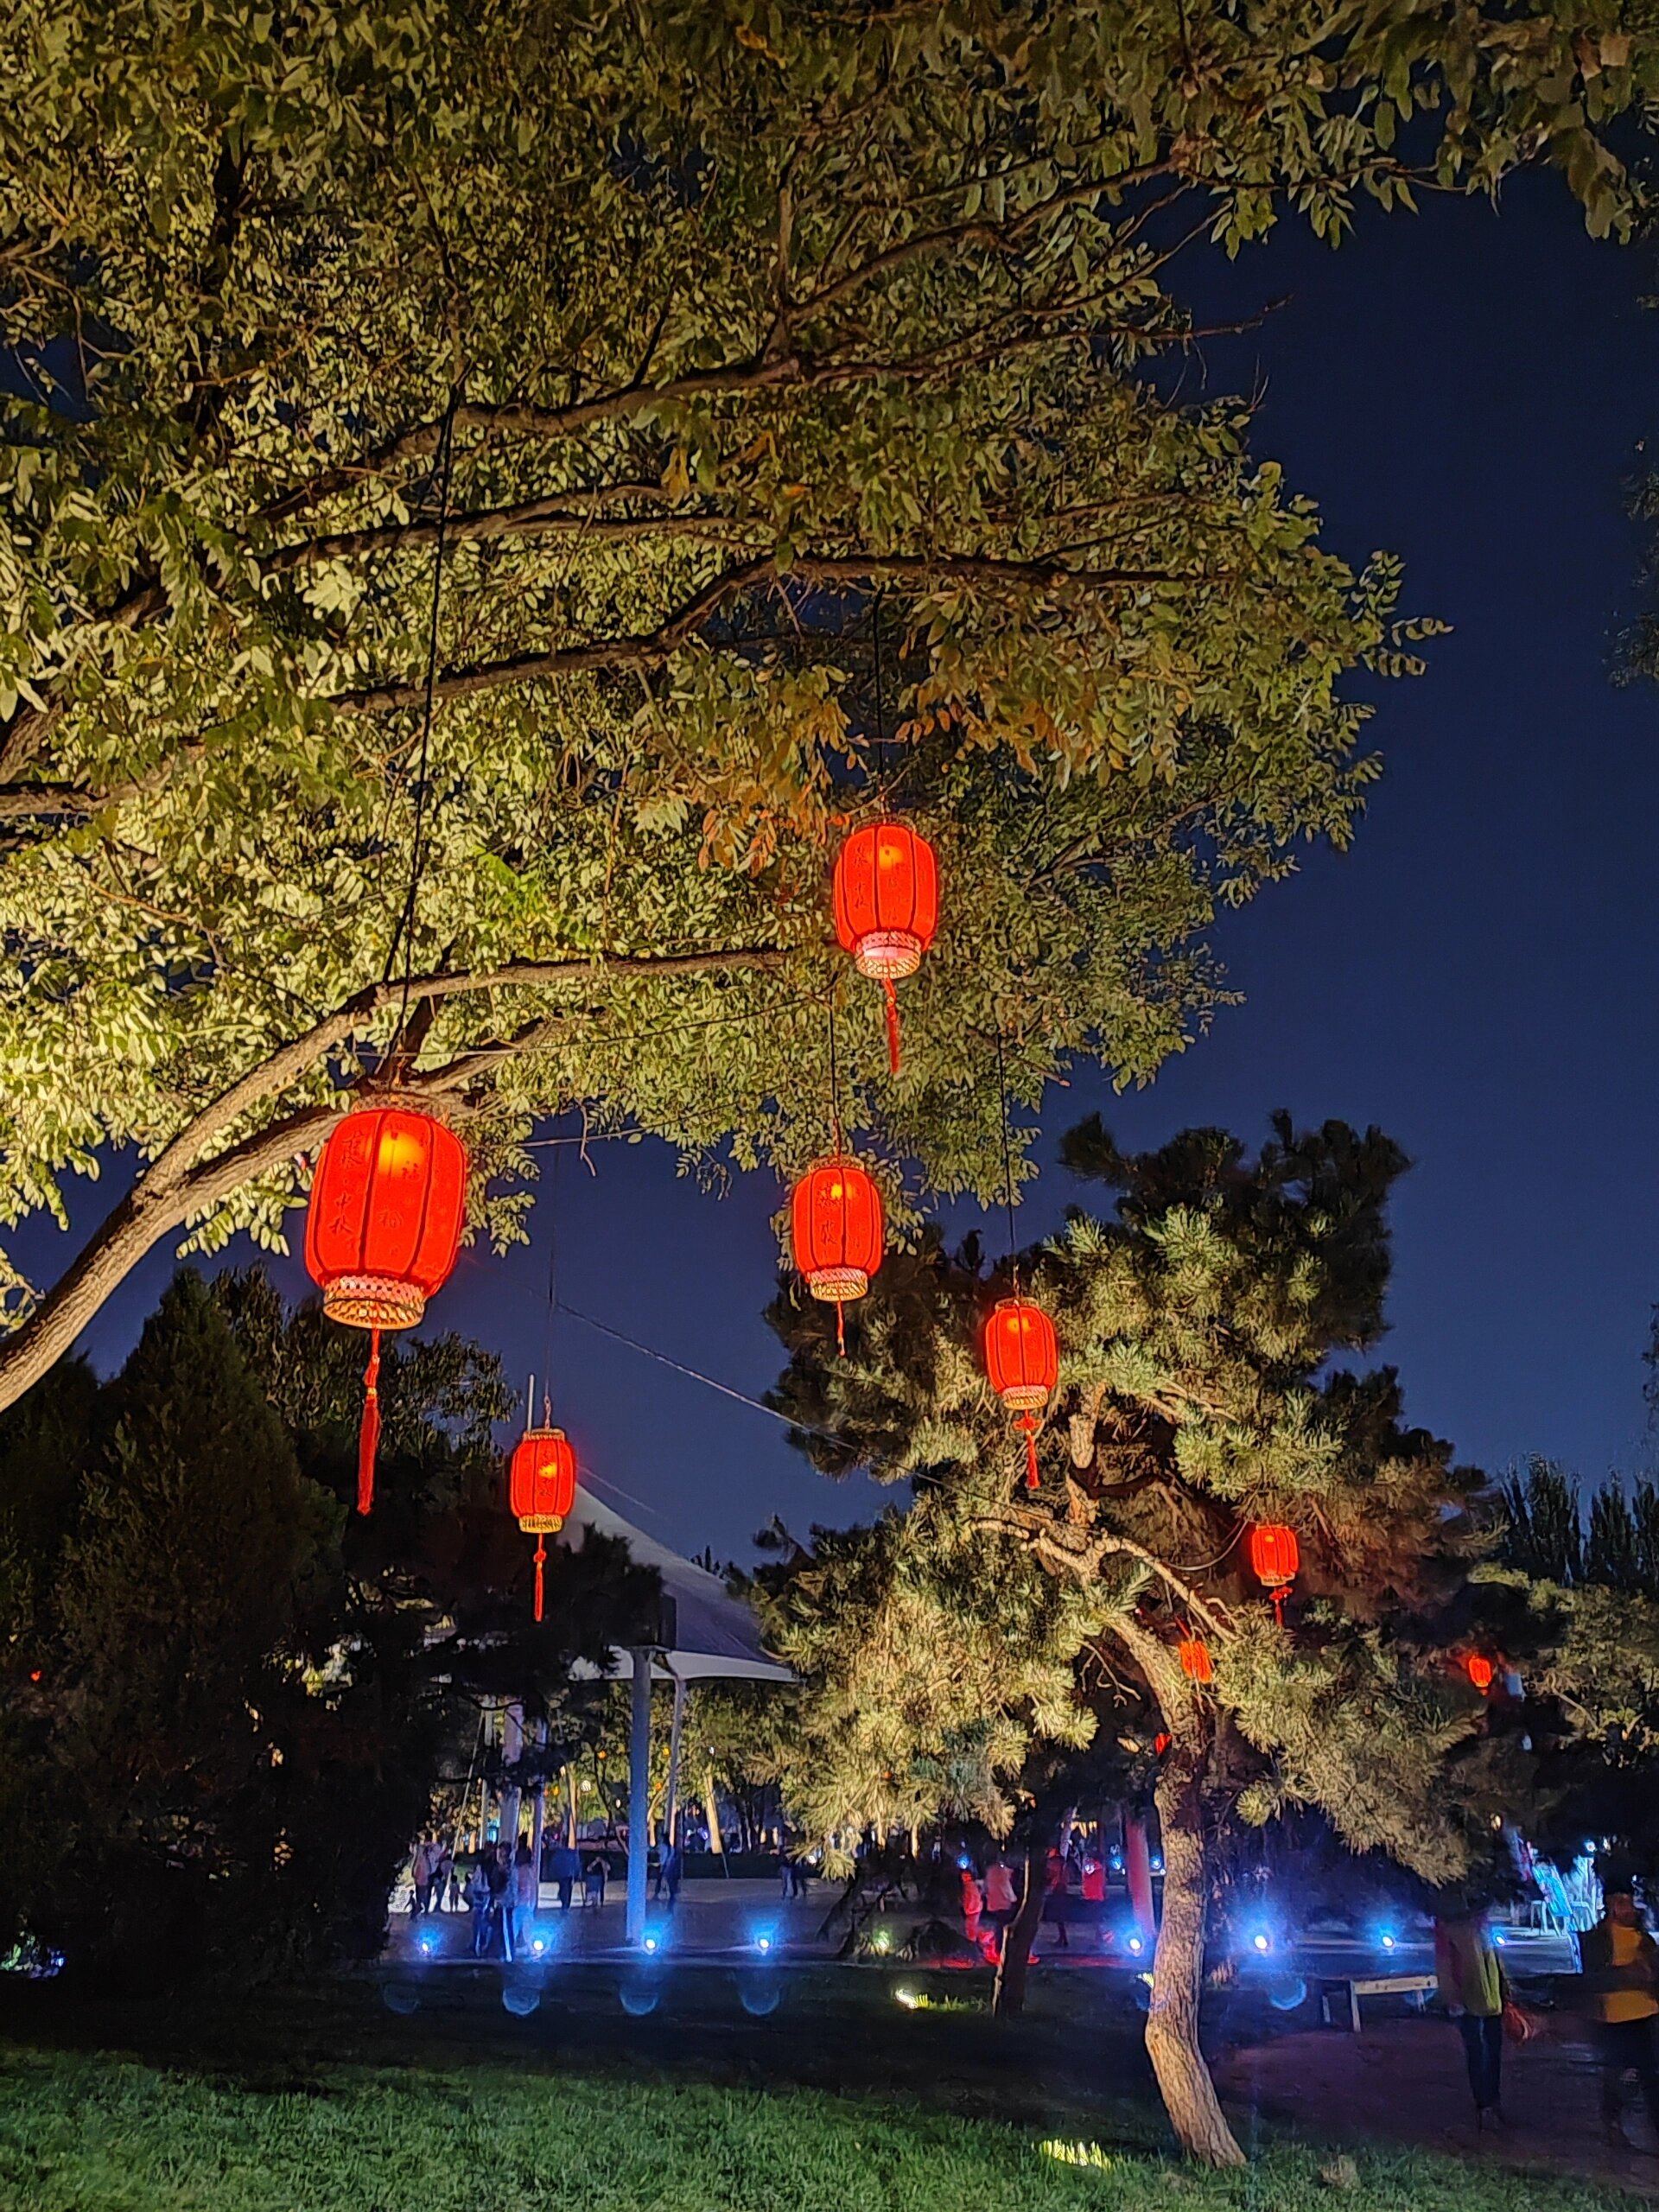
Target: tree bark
(1183,2080)
(1013,1954)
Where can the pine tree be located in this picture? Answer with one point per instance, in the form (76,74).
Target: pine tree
(174,1604)
(1196,1328)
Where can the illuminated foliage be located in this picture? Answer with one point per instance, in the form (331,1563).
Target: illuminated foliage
(700,327)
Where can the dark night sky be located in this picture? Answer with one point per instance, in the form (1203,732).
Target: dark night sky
(1466,388)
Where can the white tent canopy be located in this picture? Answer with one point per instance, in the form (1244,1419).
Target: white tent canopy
(707,1636)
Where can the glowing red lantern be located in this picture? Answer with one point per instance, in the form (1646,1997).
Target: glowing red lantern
(542,1489)
(1022,1357)
(388,1205)
(1196,1663)
(837,1229)
(886,894)
(1274,1558)
(1160,1744)
(1480,1671)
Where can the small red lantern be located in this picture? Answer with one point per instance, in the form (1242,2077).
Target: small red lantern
(388,1205)
(542,1489)
(837,1229)
(1274,1558)
(886,894)
(1196,1663)
(1022,1357)
(1160,1744)
(1480,1671)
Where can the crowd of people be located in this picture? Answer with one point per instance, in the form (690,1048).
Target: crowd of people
(1618,1987)
(502,1890)
(1071,1876)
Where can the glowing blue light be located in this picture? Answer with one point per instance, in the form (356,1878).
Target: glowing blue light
(538,1945)
(1156,1864)
(1136,1945)
(1261,1940)
(1386,1940)
(1500,1940)
(650,1942)
(763,1942)
(429,1944)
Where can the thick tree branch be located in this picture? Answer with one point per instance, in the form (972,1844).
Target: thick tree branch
(560,513)
(187,1177)
(1052,1541)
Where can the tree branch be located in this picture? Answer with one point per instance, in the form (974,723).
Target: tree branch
(649,649)
(1048,1539)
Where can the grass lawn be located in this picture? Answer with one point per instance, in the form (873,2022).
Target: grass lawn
(335,2106)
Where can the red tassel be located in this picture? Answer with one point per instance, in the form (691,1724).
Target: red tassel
(368,1436)
(541,1561)
(1028,1422)
(841,1330)
(1279,1598)
(892,1023)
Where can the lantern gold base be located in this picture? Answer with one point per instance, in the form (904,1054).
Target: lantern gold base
(836,1286)
(541,1524)
(888,955)
(1024,1398)
(374,1302)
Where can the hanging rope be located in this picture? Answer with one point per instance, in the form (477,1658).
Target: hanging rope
(404,932)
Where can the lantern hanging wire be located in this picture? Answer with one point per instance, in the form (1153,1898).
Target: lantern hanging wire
(889,995)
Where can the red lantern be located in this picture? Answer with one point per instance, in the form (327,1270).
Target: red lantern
(1274,1558)
(1160,1744)
(1480,1671)
(835,1221)
(886,894)
(542,1489)
(388,1204)
(1022,1357)
(1196,1663)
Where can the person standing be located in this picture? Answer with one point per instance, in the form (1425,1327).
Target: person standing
(420,1879)
(1621,1977)
(443,1866)
(478,1903)
(999,1893)
(973,1903)
(1056,1900)
(498,1873)
(567,1869)
(1472,1990)
(669,1870)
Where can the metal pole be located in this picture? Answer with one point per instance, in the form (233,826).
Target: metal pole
(638,1792)
(674,1763)
(512,1747)
(538,1812)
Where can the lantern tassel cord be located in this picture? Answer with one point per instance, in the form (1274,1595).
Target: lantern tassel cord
(1030,1424)
(841,1330)
(1279,1598)
(541,1562)
(892,1023)
(368,1436)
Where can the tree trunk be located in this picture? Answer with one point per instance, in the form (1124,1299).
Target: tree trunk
(1184,2080)
(1013,1954)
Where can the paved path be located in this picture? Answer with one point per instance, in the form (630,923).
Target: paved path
(1403,2081)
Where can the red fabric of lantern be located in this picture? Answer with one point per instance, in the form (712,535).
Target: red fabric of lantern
(542,1489)
(1022,1357)
(1480,1671)
(1274,1558)
(1196,1663)
(837,1229)
(886,896)
(388,1204)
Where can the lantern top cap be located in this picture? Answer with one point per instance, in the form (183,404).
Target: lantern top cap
(539,1430)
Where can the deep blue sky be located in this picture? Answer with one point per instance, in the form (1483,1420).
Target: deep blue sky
(1469,390)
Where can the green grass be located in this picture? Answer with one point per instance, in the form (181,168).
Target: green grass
(85,2131)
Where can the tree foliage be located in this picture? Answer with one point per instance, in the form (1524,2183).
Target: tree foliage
(693,329)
